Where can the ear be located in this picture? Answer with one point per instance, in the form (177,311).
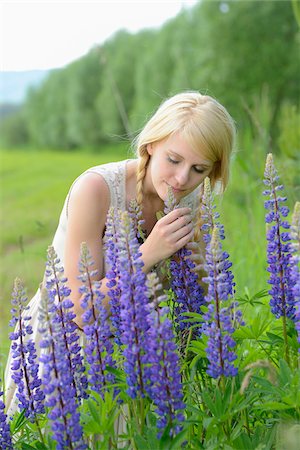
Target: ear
(150,149)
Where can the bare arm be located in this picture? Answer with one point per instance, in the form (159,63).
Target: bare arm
(88,206)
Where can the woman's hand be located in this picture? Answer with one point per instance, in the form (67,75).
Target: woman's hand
(169,234)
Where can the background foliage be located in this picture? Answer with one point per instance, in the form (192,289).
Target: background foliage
(232,50)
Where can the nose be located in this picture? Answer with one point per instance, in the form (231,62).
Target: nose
(182,176)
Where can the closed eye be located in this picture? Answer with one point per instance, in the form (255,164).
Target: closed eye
(198,170)
(172,161)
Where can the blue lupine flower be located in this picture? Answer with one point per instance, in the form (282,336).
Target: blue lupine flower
(99,347)
(24,365)
(165,389)
(136,215)
(58,290)
(134,306)
(279,250)
(295,236)
(209,216)
(112,273)
(5,435)
(189,294)
(219,325)
(57,378)
(184,281)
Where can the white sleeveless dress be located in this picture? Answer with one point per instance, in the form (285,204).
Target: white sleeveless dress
(114,175)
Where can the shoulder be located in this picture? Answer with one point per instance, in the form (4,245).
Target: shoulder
(89,195)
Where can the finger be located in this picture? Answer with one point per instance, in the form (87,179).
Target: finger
(183,231)
(184,240)
(179,223)
(176,214)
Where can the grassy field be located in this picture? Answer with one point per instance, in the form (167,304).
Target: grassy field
(33,188)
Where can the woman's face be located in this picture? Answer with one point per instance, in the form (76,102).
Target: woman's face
(174,164)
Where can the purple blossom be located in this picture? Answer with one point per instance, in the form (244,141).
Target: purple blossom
(222,312)
(60,293)
(134,307)
(99,347)
(24,365)
(112,273)
(165,389)
(57,377)
(5,435)
(209,216)
(279,249)
(295,236)
(188,292)
(184,281)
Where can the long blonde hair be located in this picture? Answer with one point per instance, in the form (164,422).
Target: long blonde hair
(201,121)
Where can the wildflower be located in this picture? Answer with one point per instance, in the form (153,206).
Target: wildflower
(24,365)
(166,387)
(295,236)
(136,215)
(134,306)
(184,281)
(112,273)
(208,214)
(60,293)
(99,347)
(219,325)
(279,250)
(5,436)
(58,383)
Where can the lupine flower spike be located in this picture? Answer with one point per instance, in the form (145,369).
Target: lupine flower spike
(279,250)
(57,378)
(99,347)
(220,317)
(58,290)
(166,388)
(184,281)
(134,307)
(209,216)
(112,272)
(24,365)
(295,235)
(5,436)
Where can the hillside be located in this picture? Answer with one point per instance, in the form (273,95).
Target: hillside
(14,85)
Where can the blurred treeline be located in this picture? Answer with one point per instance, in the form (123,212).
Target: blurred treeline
(245,53)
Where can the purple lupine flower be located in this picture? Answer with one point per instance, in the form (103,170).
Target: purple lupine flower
(112,273)
(184,281)
(208,214)
(219,319)
(57,378)
(165,389)
(279,250)
(189,294)
(99,347)
(136,215)
(58,290)
(5,435)
(134,306)
(295,236)
(24,365)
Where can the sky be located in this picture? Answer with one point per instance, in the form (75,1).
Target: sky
(45,34)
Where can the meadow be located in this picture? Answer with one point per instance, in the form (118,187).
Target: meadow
(35,183)
(248,408)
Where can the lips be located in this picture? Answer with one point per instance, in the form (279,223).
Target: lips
(176,189)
